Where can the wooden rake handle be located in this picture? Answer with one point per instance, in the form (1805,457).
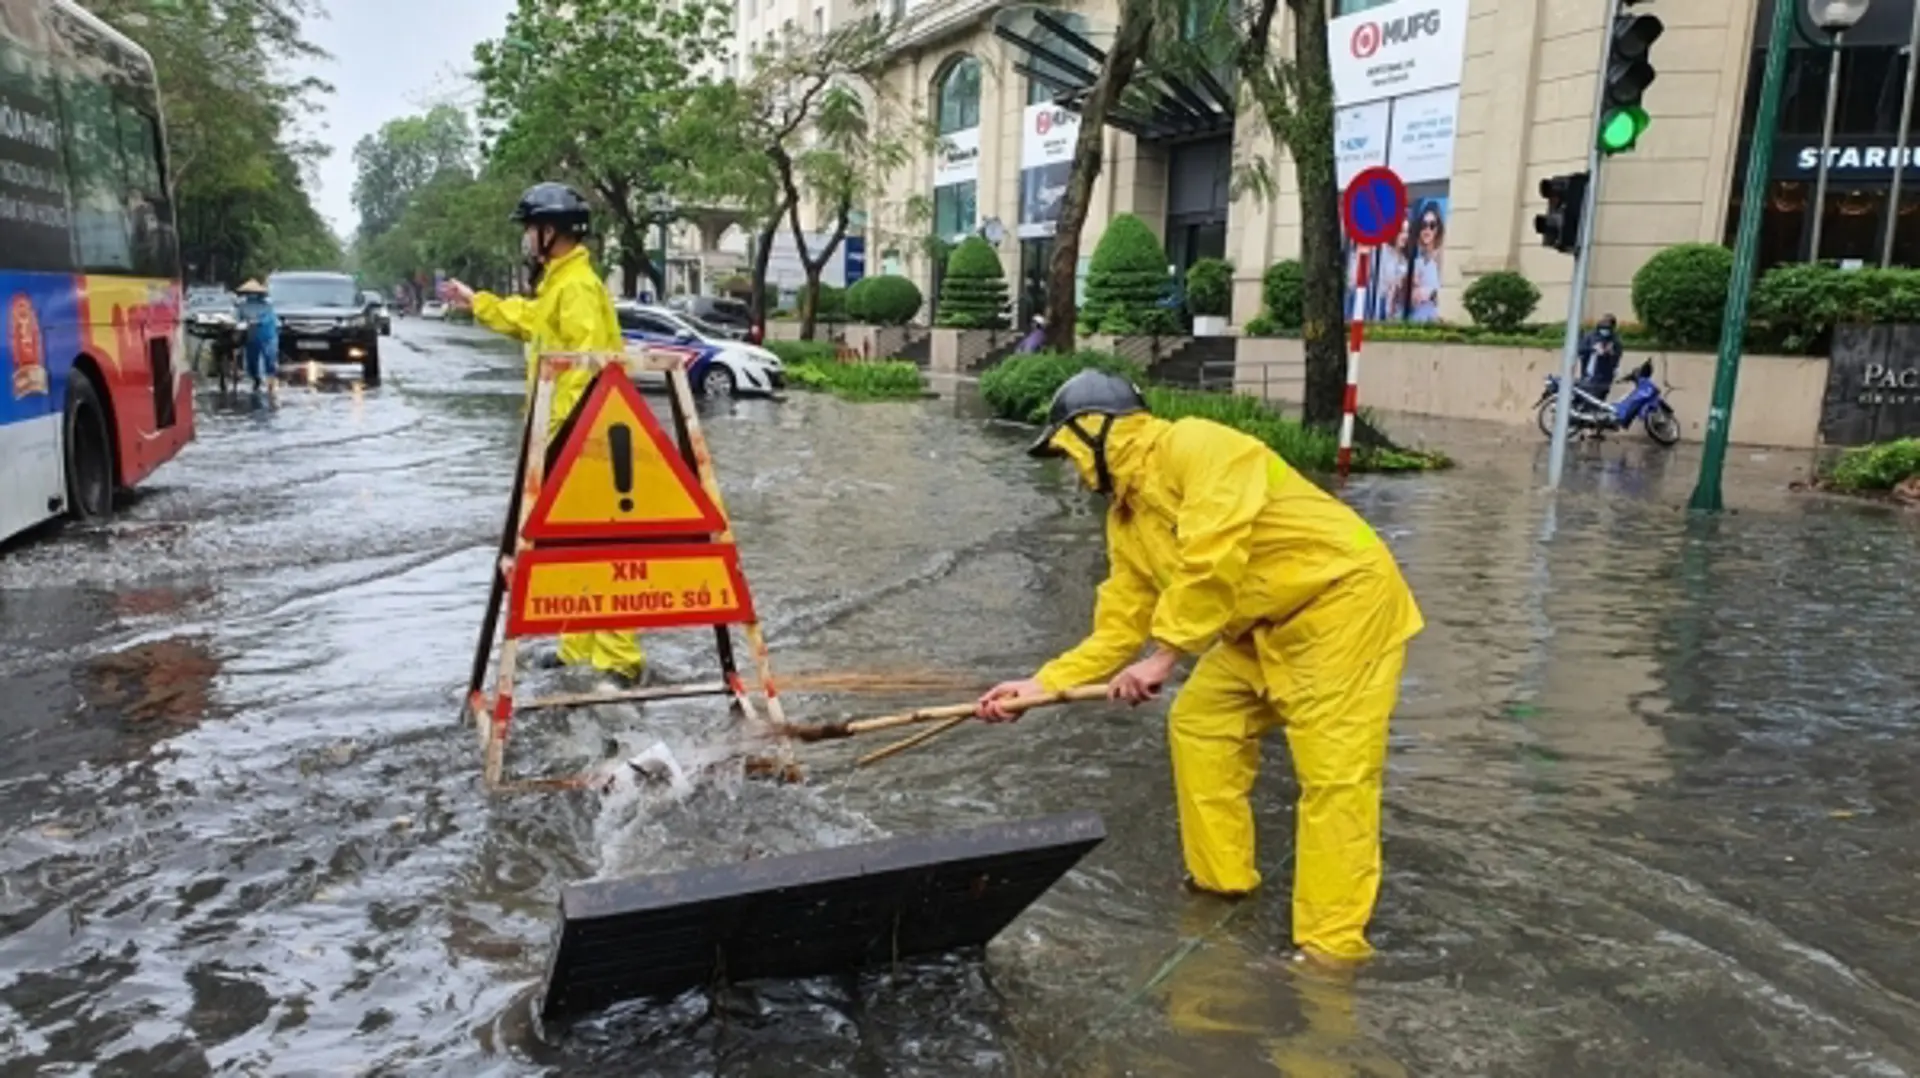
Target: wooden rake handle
(1017,706)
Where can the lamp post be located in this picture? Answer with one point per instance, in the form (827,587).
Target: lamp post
(1834,18)
(1900,145)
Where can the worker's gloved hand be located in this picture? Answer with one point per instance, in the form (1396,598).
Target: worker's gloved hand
(457,293)
(990,707)
(1141,682)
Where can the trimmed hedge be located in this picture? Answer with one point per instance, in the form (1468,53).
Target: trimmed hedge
(973,292)
(1501,301)
(1022,387)
(893,379)
(1797,306)
(1210,288)
(1680,295)
(885,300)
(1874,468)
(799,353)
(1127,283)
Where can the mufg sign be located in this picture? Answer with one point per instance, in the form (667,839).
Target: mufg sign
(1873,385)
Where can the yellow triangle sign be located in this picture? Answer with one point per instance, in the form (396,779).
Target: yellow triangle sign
(619,477)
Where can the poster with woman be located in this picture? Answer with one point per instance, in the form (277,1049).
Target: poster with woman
(1427,229)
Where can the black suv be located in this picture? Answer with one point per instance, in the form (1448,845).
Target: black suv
(323,320)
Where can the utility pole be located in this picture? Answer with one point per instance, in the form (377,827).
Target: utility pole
(1707,497)
(1582,256)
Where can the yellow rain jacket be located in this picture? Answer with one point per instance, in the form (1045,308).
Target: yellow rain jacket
(570,312)
(1300,618)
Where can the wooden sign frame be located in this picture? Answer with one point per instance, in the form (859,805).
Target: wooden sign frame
(492,712)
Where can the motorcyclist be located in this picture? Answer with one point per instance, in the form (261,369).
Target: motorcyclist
(1600,358)
(571,311)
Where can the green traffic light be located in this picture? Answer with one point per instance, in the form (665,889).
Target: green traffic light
(1621,128)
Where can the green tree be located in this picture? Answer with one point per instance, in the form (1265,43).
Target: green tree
(238,173)
(808,126)
(1294,96)
(404,156)
(587,90)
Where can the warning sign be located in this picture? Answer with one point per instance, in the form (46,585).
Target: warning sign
(574,589)
(618,476)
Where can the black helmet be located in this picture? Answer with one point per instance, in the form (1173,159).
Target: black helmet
(1091,392)
(554,204)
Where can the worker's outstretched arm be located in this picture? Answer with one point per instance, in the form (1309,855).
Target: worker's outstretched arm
(511,315)
(1223,478)
(1121,615)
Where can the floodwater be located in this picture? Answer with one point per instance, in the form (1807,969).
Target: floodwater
(1652,806)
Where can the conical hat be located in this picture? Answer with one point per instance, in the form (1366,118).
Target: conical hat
(252,285)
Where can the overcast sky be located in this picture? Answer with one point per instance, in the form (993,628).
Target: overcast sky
(390,58)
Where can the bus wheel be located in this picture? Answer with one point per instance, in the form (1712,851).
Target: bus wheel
(89,453)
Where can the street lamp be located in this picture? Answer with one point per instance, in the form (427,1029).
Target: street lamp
(1834,18)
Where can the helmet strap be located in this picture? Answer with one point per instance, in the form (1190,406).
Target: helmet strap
(1098,443)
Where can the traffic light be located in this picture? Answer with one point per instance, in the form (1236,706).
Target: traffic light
(1628,74)
(1566,197)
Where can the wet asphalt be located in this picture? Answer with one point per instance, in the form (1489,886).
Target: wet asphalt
(1651,805)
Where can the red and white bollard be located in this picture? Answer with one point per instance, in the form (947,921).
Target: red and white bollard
(1356,332)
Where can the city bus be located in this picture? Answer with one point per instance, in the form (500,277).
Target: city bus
(96,391)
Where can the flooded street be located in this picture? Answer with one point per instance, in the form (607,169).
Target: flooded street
(1651,803)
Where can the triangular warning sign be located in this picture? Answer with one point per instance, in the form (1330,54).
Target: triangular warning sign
(618,476)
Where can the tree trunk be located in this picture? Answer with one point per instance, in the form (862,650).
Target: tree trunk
(762,255)
(1322,261)
(1130,43)
(810,300)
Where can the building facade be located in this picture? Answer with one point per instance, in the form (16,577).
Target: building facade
(1472,101)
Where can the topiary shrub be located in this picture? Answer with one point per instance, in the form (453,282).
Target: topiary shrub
(1210,288)
(831,306)
(1681,294)
(1127,283)
(1021,387)
(886,300)
(1283,289)
(1796,307)
(973,292)
(1502,301)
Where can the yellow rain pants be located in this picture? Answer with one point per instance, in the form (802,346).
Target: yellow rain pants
(570,312)
(1218,549)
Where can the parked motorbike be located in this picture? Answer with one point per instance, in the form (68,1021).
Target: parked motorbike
(1593,417)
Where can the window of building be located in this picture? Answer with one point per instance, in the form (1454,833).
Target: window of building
(1349,7)
(820,21)
(959,96)
(955,209)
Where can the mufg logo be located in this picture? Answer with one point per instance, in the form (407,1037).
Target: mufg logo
(1369,36)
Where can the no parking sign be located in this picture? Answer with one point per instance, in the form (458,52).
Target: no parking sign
(1374,207)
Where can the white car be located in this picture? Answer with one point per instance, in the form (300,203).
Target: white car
(736,368)
(433,308)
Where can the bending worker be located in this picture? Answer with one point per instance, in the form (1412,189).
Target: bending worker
(570,311)
(1299,619)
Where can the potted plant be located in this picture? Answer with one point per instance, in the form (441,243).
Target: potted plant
(1210,296)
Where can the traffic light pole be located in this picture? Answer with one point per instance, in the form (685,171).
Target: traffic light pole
(1582,258)
(1707,497)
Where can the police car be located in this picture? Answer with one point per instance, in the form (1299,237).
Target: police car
(726,367)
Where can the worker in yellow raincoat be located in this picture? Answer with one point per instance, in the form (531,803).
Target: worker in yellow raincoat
(570,311)
(1298,617)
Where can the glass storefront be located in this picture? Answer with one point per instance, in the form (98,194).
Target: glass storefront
(1853,220)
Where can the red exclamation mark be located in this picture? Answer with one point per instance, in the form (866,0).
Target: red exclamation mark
(620,442)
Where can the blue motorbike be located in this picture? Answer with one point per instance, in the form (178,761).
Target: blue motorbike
(1593,417)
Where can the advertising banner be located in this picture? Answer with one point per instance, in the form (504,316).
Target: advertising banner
(1401,48)
(957,159)
(1360,139)
(1047,137)
(1422,138)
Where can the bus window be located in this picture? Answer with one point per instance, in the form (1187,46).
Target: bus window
(100,218)
(153,246)
(33,176)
